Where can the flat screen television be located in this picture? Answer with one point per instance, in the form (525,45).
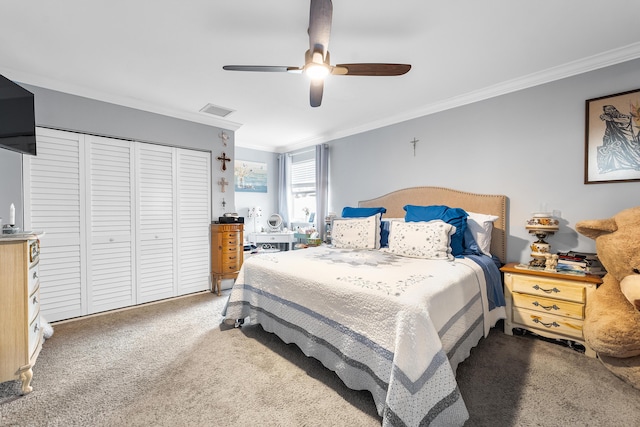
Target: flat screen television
(17,118)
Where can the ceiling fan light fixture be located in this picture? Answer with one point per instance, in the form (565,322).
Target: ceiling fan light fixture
(317,71)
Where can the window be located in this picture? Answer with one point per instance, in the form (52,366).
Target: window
(303,186)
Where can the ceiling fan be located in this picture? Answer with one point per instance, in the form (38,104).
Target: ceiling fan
(317,64)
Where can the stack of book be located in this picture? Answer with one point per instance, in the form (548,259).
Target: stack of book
(580,262)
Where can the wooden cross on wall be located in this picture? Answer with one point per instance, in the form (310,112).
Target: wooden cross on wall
(223,182)
(224,159)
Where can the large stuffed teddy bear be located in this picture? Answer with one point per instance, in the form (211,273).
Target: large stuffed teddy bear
(612,320)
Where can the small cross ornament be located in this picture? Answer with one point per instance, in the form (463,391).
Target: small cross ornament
(224,137)
(222,183)
(224,159)
(414,142)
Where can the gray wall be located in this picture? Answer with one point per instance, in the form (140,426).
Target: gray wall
(69,112)
(528,145)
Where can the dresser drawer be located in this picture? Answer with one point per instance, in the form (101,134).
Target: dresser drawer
(229,250)
(34,277)
(552,288)
(230,236)
(230,266)
(548,322)
(35,334)
(549,305)
(34,304)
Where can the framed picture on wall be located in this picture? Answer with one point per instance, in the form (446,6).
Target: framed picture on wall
(612,138)
(250,177)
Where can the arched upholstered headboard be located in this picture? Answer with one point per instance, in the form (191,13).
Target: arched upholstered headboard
(423,196)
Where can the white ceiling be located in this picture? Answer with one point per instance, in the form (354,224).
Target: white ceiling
(167,56)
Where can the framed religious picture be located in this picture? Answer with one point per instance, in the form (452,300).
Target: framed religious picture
(612,138)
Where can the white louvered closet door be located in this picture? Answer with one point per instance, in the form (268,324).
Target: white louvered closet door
(156,189)
(55,198)
(111,251)
(194,219)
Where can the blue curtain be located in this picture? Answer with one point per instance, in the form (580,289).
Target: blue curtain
(284,188)
(322,187)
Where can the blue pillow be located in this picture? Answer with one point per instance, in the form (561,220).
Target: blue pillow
(348,212)
(385,226)
(454,216)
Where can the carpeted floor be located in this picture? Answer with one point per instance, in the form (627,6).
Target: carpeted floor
(173,364)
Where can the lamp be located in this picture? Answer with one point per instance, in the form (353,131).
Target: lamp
(541,225)
(255,212)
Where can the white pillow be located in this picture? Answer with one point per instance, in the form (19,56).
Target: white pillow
(430,240)
(356,233)
(481,226)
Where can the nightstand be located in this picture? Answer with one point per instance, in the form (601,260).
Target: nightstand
(549,304)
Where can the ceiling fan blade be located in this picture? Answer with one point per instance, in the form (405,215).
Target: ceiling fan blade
(317,87)
(371,69)
(319,30)
(262,68)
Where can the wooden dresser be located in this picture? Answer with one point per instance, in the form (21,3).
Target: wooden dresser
(227,250)
(20,326)
(546,303)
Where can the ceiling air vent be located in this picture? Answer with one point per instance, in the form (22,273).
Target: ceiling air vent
(216,110)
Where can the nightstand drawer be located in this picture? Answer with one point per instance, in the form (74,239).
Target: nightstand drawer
(549,305)
(552,288)
(548,322)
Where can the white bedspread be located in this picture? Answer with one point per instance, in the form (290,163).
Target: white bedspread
(392,325)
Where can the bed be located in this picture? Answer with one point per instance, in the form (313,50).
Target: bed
(385,320)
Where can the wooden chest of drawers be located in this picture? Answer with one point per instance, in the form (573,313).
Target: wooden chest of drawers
(227,250)
(20,325)
(548,304)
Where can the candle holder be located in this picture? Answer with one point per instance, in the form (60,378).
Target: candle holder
(10,229)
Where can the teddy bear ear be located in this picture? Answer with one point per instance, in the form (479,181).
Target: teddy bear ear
(596,227)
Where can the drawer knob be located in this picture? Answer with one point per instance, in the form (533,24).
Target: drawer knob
(546,307)
(548,325)
(35,274)
(548,291)
(35,299)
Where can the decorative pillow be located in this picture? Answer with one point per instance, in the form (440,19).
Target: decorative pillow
(454,216)
(356,233)
(349,212)
(481,226)
(430,240)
